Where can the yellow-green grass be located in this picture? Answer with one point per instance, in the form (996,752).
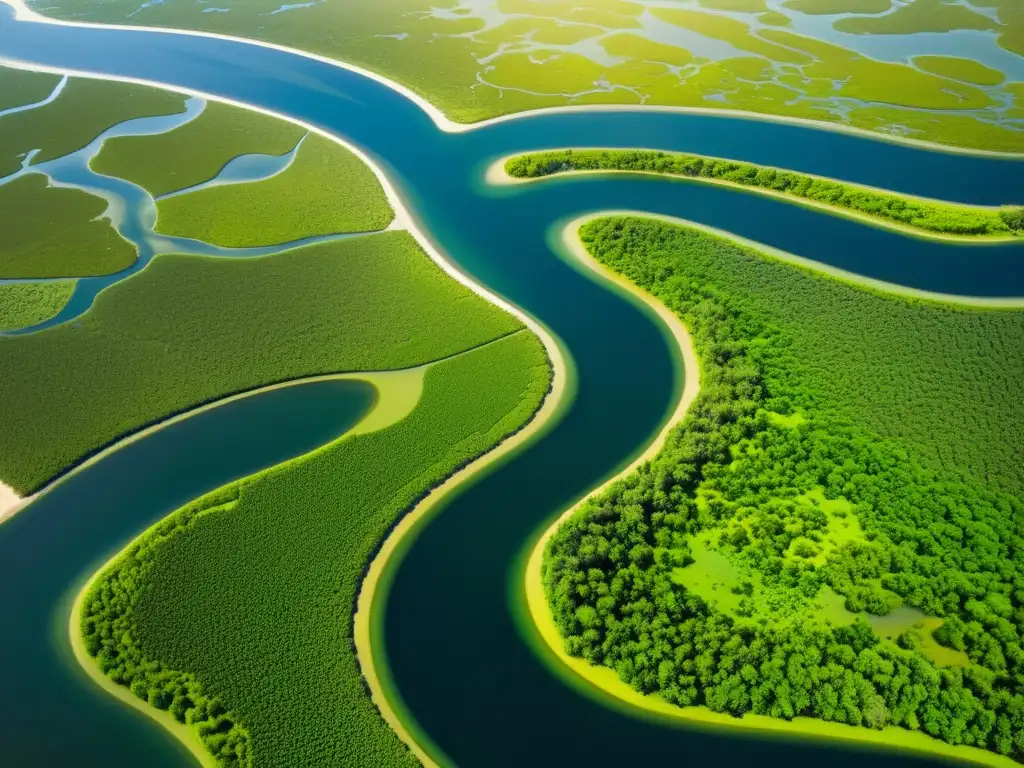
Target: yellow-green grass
(828,7)
(307,529)
(84,109)
(26,304)
(563,8)
(604,684)
(880,206)
(196,151)
(737,6)
(1011,16)
(675,265)
(440,61)
(956,68)
(56,232)
(918,16)
(157,343)
(630,45)
(325,190)
(731,31)
(872,80)
(19,88)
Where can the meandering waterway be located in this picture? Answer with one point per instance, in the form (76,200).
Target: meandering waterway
(460,651)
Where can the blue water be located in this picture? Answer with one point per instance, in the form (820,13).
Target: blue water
(452,635)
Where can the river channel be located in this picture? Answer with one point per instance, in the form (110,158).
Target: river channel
(460,651)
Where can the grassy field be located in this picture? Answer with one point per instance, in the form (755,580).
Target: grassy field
(919,16)
(839,6)
(19,88)
(325,190)
(151,344)
(197,151)
(830,533)
(26,304)
(922,215)
(965,70)
(84,110)
(279,652)
(528,54)
(58,232)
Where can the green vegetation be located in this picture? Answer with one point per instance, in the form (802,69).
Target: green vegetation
(519,55)
(84,110)
(926,215)
(290,547)
(956,68)
(825,7)
(325,190)
(197,151)
(918,16)
(26,304)
(155,344)
(58,233)
(19,88)
(819,400)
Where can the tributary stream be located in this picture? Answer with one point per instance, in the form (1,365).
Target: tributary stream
(459,647)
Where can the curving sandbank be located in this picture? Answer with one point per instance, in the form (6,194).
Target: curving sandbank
(561,378)
(865,283)
(497,175)
(23,13)
(382,380)
(602,682)
(10,502)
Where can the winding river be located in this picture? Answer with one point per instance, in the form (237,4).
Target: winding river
(464,665)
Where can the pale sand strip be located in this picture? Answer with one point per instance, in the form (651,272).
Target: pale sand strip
(443,122)
(880,287)
(609,688)
(390,383)
(403,220)
(11,503)
(497,176)
(398,392)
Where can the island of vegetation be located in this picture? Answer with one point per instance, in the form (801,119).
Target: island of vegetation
(180,334)
(917,214)
(834,530)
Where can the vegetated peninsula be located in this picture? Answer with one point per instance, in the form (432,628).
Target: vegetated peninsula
(927,216)
(180,334)
(834,531)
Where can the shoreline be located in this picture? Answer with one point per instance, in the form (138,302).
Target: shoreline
(880,287)
(188,737)
(375,584)
(21,503)
(398,392)
(403,219)
(11,502)
(587,677)
(444,123)
(497,176)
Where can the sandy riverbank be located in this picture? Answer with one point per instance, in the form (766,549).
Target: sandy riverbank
(607,684)
(23,13)
(497,176)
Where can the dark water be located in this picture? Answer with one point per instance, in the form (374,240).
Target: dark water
(52,715)
(456,651)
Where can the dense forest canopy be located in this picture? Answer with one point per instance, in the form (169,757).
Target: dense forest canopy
(786,496)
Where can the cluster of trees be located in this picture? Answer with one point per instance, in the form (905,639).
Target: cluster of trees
(921,214)
(108,633)
(950,546)
(253,588)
